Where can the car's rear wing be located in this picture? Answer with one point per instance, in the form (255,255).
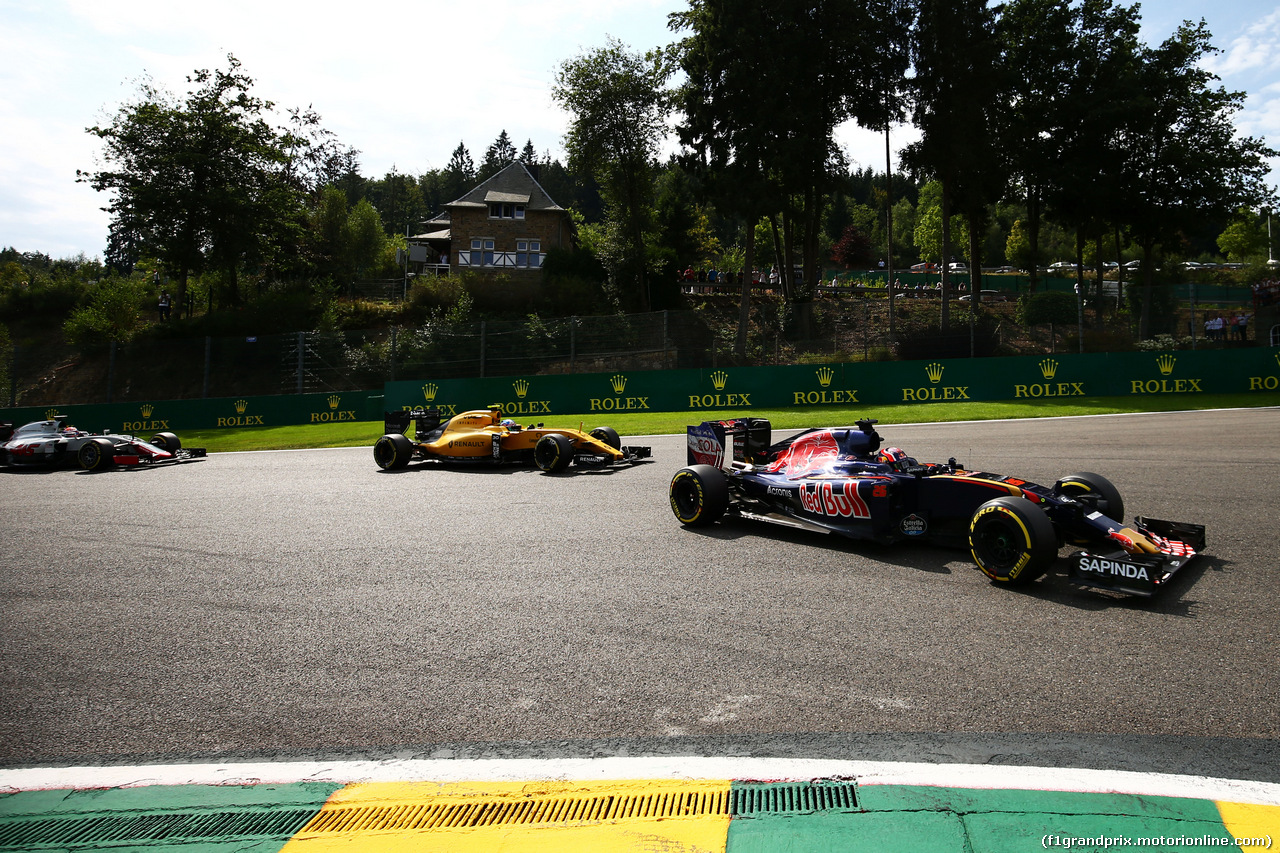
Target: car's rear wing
(424,420)
(746,438)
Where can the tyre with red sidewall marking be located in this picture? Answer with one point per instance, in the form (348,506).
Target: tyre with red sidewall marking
(699,495)
(1012,540)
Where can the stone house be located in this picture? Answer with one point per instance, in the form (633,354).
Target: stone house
(505,224)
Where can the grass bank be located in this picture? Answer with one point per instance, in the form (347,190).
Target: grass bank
(361,433)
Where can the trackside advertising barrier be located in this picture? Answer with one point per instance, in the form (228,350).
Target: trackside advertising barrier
(143,418)
(1127,374)
(1183,373)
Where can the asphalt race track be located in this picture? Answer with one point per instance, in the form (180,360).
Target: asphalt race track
(300,603)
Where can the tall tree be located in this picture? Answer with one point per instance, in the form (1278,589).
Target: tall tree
(618,103)
(1185,162)
(1097,91)
(201,183)
(760,124)
(957,86)
(1037,39)
(497,157)
(460,174)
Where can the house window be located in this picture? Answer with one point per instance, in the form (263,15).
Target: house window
(506,211)
(529,253)
(481,253)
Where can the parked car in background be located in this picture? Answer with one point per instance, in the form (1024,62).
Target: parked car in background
(924,267)
(987,296)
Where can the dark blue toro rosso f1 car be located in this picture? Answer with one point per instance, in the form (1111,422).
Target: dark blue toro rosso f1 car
(840,480)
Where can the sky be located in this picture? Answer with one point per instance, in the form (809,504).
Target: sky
(401,81)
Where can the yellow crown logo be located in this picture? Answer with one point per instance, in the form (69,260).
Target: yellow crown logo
(1048,368)
(241,405)
(521,386)
(718,379)
(934,371)
(1278,358)
(1166,363)
(334,400)
(51,414)
(430,390)
(619,383)
(146,409)
(825,375)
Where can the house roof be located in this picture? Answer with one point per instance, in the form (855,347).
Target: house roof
(513,185)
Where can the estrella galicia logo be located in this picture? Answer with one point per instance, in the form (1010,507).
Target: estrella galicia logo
(914,525)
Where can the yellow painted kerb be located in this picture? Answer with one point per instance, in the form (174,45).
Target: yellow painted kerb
(694,833)
(1244,820)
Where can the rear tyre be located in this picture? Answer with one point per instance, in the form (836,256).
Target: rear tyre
(607,435)
(699,495)
(1106,495)
(166,441)
(392,451)
(1012,540)
(553,453)
(96,454)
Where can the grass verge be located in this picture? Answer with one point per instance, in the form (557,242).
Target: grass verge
(362,433)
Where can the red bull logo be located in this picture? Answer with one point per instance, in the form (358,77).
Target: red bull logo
(808,454)
(839,499)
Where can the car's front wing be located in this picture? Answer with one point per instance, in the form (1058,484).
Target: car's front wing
(630,455)
(1140,574)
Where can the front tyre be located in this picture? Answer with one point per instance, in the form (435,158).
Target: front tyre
(1012,540)
(392,451)
(1097,490)
(607,435)
(166,441)
(553,453)
(96,454)
(699,495)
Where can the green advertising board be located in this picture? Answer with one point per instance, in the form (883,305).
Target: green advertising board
(144,418)
(529,398)
(872,383)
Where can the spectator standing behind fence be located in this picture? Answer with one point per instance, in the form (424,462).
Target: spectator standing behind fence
(1242,326)
(164,306)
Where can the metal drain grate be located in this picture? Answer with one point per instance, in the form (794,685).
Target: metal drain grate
(16,834)
(494,812)
(796,798)
(743,800)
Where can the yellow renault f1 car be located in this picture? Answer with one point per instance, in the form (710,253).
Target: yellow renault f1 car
(484,435)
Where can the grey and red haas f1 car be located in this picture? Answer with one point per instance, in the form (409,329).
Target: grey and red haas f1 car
(840,480)
(54,442)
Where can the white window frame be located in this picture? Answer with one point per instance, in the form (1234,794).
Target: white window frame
(528,255)
(505,210)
